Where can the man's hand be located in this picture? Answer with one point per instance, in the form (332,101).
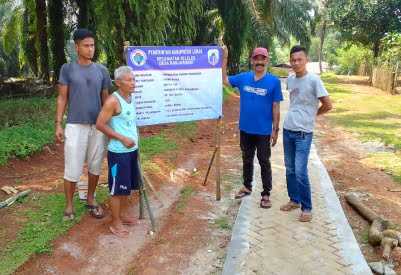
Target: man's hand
(325,106)
(273,138)
(225,52)
(129,143)
(59,133)
(224,66)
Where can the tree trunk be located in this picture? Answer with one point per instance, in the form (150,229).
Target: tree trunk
(41,28)
(29,37)
(83,14)
(56,32)
(322,37)
(376,49)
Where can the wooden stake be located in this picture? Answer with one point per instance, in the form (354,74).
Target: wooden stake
(218,156)
(210,166)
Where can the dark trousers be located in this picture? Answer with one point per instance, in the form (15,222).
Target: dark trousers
(261,144)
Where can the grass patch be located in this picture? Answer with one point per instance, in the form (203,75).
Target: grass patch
(223,223)
(374,117)
(185,129)
(150,166)
(279,72)
(43,224)
(387,161)
(185,194)
(26,126)
(365,235)
(158,144)
(230,181)
(330,77)
(15,112)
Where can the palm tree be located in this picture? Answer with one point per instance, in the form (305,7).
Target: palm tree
(282,19)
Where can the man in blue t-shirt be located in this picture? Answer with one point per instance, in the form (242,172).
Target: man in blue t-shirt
(260,96)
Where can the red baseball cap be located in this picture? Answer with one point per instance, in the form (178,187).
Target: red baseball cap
(260,51)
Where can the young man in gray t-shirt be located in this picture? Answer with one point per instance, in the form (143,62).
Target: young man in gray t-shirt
(83,87)
(306,92)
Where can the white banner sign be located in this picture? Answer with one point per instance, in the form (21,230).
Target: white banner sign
(175,84)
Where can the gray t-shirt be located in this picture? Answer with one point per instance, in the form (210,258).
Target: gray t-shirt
(85,84)
(304,102)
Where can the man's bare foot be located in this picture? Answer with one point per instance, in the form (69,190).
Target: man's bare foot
(119,230)
(128,220)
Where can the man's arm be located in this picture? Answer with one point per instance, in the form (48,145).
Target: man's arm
(276,122)
(61,103)
(108,110)
(104,95)
(224,67)
(325,106)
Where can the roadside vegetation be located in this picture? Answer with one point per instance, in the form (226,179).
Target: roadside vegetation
(374,117)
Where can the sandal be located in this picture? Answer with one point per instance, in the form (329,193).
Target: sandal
(289,206)
(95,211)
(265,202)
(119,233)
(305,217)
(242,193)
(68,216)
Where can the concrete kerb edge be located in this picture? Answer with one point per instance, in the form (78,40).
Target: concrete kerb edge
(349,246)
(239,244)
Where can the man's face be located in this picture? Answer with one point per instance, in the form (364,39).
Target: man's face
(85,48)
(126,83)
(259,63)
(298,61)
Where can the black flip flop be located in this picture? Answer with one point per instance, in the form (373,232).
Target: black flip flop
(267,205)
(95,211)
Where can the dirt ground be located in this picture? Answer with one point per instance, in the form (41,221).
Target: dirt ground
(343,154)
(192,234)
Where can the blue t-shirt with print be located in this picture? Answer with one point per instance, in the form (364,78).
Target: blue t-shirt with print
(256,101)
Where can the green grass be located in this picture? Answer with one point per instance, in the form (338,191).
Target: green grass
(185,194)
(157,144)
(388,161)
(365,235)
(279,72)
(231,181)
(329,77)
(185,129)
(15,112)
(223,223)
(43,224)
(373,117)
(26,126)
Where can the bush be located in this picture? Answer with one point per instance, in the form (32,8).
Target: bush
(279,72)
(350,58)
(26,126)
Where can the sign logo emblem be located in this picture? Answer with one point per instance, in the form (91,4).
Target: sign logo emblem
(213,57)
(138,57)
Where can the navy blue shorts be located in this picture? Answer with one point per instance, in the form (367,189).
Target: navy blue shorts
(123,172)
